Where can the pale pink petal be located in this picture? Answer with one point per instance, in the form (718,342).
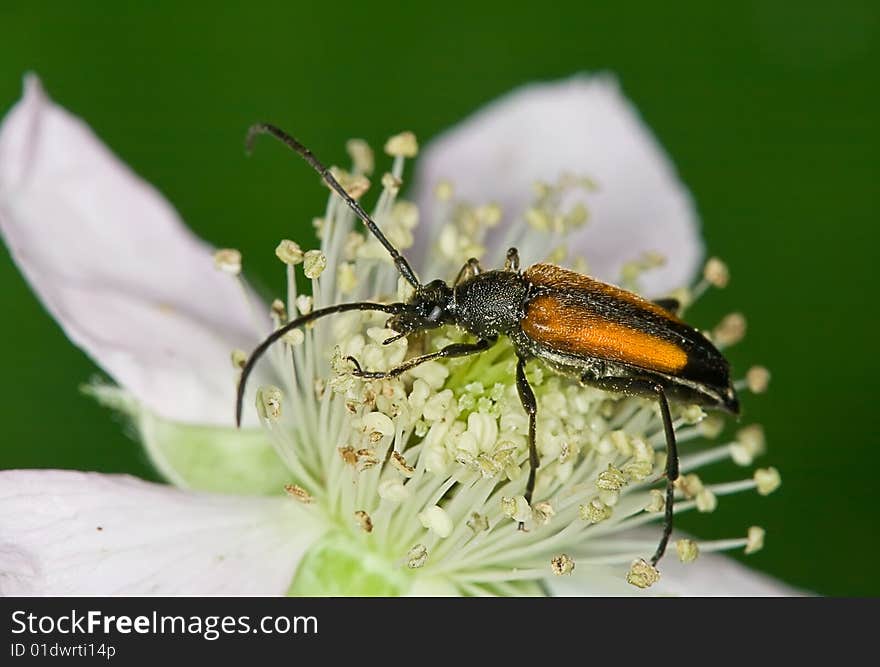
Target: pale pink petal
(74,533)
(113,263)
(583,125)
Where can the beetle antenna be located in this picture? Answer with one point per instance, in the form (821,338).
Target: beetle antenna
(307,155)
(294,324)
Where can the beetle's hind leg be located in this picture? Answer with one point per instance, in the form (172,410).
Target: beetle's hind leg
(530,405)
(647,387)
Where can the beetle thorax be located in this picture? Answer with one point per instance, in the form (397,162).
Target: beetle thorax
(490,303)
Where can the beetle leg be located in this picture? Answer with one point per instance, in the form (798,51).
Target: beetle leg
(670,304)
(641,387)
(470,269)
(454,350)
(512,261)
(530,405)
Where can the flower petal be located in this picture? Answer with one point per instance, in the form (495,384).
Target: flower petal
(112,262)
(710,576)
(65,532)
(585,126)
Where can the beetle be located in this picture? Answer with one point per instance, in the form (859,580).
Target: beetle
(603,336)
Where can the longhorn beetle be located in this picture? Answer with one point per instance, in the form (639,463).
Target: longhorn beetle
(604,336)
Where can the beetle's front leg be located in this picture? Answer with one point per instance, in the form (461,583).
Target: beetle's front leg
(454,350)
(511,263)
(530,405)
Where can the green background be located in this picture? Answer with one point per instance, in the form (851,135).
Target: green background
(768,109)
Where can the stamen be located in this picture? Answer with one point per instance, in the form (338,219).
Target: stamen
(706,501)
(299,493)
(294,337)
(402,145)
(611,479)
(289,252)
(757,379)
(658,501)
(516,508)
(478,523)
(687,550)
(716,273)
(767,480)
(314,263)
(542,513)
(749,444)
(361,155)
(642,574)
(755,539)
(416,557)
(364,521)
(279,312)
(228,260)
(239,358)
(393,490)
(562,564)
(731,330)
(436,520)
(269,403)
(400,464)
(595,511)
(304,304)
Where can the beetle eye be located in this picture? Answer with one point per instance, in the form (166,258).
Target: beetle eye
(435,313)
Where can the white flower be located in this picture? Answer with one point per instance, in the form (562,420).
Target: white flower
(412,485)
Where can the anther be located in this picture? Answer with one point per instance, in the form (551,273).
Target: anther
(478,523)
(767,480)
(391,182)
(687,550)
(561,564)
(730,330)
(361,155)
(298,493)
(611,479)
(642,574)
(279,311)
(436,520)
(757,379)
(754,539)
(716,272)
(402,145)
(364,521)
(416,557)
(314,263)
(228,260)
(289,252)
(749,444)
(400,464)
(542,513)
(304,304)
(595,511)
(269,403)
(657,502)
(516,508)
(239,358)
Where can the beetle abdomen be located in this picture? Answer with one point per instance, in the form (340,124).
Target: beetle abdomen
(578,315)
(573,329)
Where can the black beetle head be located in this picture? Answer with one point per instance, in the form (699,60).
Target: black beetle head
(429,308)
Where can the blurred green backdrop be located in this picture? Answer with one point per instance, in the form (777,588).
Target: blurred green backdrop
(769,110)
